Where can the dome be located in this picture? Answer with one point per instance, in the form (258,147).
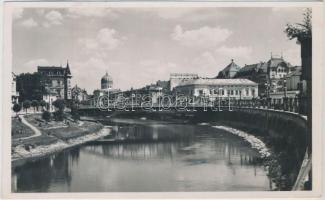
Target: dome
(106,81)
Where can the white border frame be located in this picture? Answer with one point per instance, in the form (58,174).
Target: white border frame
(318,97)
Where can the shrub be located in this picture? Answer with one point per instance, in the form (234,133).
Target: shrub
(35,104)
(26,104)
(42,103)
(46,116)
(58,115)
(59,104)
(16,108)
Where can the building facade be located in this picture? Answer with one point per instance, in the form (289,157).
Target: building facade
(238,89)
(79,94)
(178,78)
(57,80)
(14,92)
(269,75)
(106,82)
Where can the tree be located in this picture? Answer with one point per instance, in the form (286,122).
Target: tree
(75,112)
(302,30)
(42,103)
(16,108)
(35,104)
(30,86)
(46,115)
(26,104)
(60,105)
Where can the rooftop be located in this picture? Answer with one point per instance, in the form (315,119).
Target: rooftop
(213,81)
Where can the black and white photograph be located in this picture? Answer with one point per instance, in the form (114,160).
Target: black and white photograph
(157,99)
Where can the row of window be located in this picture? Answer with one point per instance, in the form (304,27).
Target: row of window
(229,92)
(279,70)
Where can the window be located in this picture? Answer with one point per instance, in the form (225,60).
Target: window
(237,92)
(247,92)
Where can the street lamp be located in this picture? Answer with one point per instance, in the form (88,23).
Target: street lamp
(285,94)
(267,94)
(219,93)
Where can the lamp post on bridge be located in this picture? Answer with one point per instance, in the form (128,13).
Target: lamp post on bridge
(219,96)
(267,89)
(285,99)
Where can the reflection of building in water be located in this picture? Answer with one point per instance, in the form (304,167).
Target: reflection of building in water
(43,173)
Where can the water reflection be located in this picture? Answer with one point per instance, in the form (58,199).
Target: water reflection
(154,158)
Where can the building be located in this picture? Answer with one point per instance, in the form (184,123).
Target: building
(238,89)
(79,94)
(293,87)
(106,82)
(269,75)
(14,92)
(57,80)
(177,78)
(293,80)
(49,97)
(229,71)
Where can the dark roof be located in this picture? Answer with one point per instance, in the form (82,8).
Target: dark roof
(296,72)
(49,68)
(275,62)
(253,67)
(67,71)
(232,67)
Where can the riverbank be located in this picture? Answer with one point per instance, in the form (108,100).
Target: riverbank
(55,137)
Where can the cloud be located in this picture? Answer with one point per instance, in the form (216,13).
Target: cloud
(170,13)
(53,18)
(17,13)
(31,65)
(207,63)
(241,52)
(188,14)
(29,23)
(203,37)
(77,12)
(106,39)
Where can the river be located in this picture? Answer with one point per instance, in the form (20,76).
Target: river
(156,157)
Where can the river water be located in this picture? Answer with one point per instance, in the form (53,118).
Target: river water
(149,158)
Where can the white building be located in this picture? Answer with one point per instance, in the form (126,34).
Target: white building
(14,93)
(49,98)
(239,89)
(178,78)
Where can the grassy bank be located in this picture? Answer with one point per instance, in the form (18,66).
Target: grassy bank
(19,130)
(55,137)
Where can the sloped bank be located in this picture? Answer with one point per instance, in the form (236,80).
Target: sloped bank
(20,154)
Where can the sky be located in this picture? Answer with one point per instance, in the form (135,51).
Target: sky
(138,46)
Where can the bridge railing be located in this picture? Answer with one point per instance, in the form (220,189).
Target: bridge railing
(287,106)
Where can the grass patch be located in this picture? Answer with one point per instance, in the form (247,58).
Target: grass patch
(19,129)
(74,131)
(36,141)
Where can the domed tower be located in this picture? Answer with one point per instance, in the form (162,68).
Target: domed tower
(106,82)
